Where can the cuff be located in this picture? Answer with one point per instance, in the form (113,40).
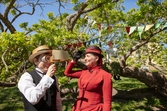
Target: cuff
(47,80)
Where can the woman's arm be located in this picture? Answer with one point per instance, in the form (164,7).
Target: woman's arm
(71,73)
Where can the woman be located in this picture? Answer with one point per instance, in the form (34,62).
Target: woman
(95,84)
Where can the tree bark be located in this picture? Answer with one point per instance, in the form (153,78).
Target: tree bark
(7,84)
(154,80)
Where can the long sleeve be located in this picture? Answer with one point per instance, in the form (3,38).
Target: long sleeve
(71,73)
(33,93)
(58,98)
(107,92)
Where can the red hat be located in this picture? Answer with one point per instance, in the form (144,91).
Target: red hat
(94,50)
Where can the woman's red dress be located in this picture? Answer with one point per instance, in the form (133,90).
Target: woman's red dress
(95,88)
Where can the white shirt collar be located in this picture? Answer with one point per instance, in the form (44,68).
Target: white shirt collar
(39,72)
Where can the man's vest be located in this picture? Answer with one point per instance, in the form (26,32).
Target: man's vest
(46,103)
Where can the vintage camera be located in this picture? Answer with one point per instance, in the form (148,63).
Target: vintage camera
(57,56)
(46,58)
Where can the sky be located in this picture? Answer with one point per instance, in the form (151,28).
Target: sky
(31,19)
(38,15)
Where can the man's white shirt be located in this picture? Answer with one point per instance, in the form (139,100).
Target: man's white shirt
(33,93)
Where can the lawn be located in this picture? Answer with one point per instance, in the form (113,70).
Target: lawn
(132,96)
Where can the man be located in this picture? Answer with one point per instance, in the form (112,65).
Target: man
(39,87)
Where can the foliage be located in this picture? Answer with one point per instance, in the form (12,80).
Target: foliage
(14,50)
(54,33)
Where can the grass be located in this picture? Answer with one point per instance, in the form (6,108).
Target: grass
(10,99)
(128,84)
(132,96)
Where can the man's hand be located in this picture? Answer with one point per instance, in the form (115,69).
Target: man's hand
(51,70)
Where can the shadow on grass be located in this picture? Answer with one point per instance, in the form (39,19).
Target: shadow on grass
(10,99)
(146,98)
(143,99)
(68,100)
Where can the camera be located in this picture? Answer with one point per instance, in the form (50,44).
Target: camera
(57,56)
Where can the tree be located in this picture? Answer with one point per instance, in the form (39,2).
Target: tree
(85,25)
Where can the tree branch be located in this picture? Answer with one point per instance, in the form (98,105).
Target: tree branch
(7,24)
(21,13)
(19,71)
(141,43)
(2,57)
(2,28)
(162,70)
(71,19)
(21,68)
(7,84)
(8,8)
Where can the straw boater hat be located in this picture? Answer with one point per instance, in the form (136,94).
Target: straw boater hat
(39,50)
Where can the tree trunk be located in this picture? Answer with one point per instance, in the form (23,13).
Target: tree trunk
(7,84)
(154,80)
